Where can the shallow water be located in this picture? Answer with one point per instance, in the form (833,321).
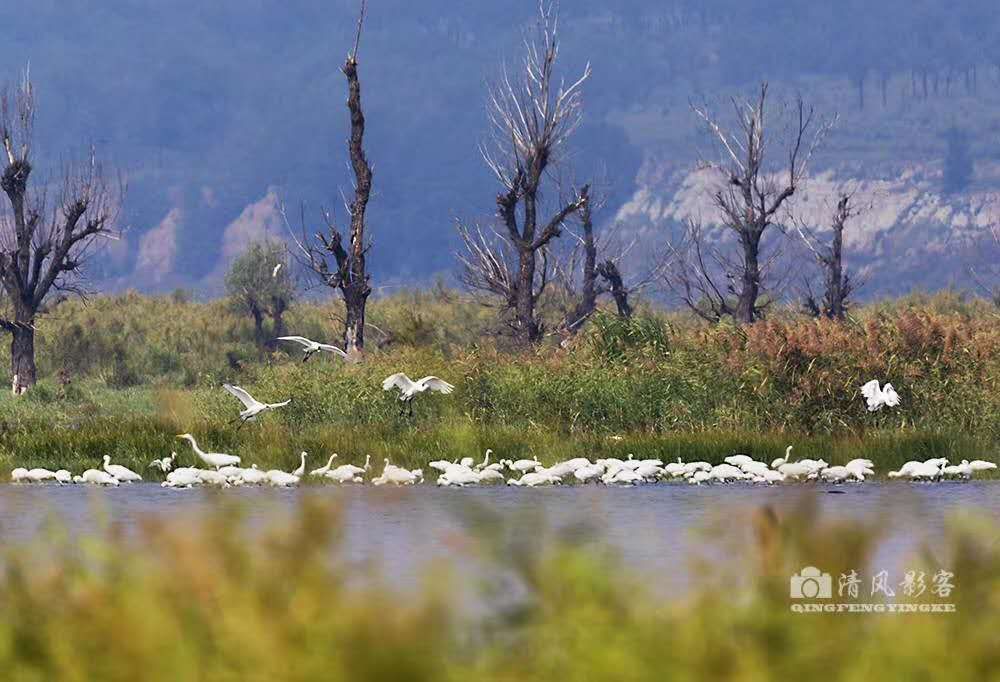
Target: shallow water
(398,533)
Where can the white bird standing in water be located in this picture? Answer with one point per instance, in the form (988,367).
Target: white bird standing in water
(312,347)
(212,459)
(323,469)
(298,473)
(253,406)
(123,474)
(878,398)
(409,389)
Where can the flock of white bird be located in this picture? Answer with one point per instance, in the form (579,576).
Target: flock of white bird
(226,470)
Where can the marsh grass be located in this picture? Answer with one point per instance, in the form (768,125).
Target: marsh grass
(140,370)
(214,600)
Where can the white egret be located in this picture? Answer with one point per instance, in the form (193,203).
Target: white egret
(782,460)
(253,406)
(311,347)
(323,469)
(877,398)
(281,479)
(300,472)
(164,464)
(408,389)
(524,465)
(397,475)
(980,465)
(40,475)
(63,477)
(253,476)
(97,477)
(184,477)
(123,474)
(277,269)
(212,459)
(19,475)
(591,472)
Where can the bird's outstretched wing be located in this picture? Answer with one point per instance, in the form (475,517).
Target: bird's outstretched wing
(889,396)
(398,380)
(301,340)
(872,394)
(332,349)
(435,384)
(244,397)
(870,390)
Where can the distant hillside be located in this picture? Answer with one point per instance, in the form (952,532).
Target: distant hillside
(219,112)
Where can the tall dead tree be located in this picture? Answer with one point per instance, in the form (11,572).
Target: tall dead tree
(532,117)
(340,266)
(43,248)
(593,268)
(838,285)
(752,190)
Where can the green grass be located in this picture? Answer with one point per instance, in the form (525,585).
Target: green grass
(123,375)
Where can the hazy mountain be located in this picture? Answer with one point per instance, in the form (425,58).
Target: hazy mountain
(218,112)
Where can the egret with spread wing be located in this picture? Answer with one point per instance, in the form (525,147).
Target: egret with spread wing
(312,347)
(408,389)
(253,406)
(877,398)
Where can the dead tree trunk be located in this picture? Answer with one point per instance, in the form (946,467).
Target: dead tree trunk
(42,249)
(355,278)
(348,269)
(588,289)
(838,285)
(22,349)
(608,270)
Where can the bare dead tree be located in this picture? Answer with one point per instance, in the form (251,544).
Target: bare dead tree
(340,266)
(751,192)
(838,284)
(596,262)
(986,274)
(43,249)
(532,117)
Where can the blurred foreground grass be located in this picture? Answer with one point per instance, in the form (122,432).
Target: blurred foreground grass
(215,601)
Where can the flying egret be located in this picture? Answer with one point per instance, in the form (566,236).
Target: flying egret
(877,398)
(123,474)
(312,347)
(253,406)
(212,459)
(408,388)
